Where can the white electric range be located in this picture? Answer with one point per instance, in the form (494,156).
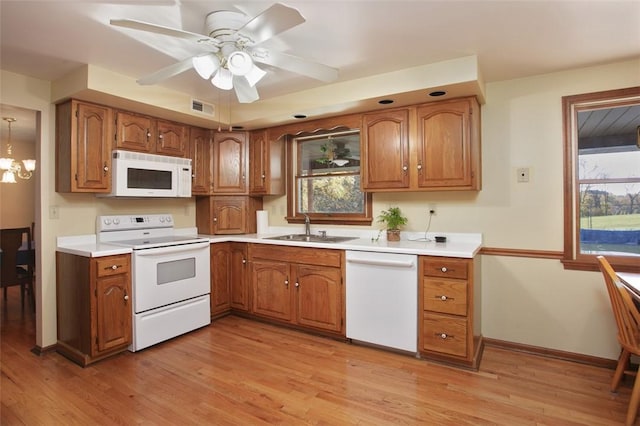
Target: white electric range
(170,275)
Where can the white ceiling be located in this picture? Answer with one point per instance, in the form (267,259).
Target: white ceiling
(511,39)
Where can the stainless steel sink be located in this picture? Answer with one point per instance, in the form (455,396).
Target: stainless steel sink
(312,238)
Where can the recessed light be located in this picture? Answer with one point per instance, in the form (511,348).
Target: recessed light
(438,93)
(300,116)
(385,101)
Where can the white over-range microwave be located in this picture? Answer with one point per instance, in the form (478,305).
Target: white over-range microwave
(135,174)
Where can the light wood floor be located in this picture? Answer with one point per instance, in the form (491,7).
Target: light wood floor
(241,372)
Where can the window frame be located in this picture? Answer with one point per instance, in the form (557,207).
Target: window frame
(293,216)
(571,105)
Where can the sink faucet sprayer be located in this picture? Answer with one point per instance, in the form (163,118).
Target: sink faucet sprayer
(307,225)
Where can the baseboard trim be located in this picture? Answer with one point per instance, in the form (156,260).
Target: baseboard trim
(552,353)
(39,350)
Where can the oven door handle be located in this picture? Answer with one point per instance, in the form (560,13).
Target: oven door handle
(179,249)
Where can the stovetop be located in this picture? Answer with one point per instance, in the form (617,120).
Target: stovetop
(141,231)
(154,242)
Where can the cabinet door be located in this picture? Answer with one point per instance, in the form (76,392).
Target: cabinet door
(271,289)
(133,132)
(113,313)
(229,163)
(238,277)
(385,150)
(444,145)
(200,154)
(318,295)
(220,266)
(92,143)
(258,163)
(229,215)
(173,138)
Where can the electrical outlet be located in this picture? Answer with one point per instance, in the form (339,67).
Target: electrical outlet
(523,174)
(432,209)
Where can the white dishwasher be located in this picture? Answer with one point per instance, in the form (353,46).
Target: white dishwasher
(382,299)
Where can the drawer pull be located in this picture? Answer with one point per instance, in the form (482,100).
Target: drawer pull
(112,267)
(444,269)
(444,336)
(444,298)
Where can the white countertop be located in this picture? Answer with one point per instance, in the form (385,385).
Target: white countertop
(457,245)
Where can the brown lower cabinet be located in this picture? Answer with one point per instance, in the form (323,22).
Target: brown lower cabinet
(298,286)
(448,312)
(93,306)
(229,290)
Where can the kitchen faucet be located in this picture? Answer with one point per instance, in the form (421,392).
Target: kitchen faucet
(307,225)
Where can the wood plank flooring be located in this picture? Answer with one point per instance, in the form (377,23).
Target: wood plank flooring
(242,372)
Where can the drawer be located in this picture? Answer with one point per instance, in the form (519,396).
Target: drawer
(112,265)
(443,295)
(444,334)
(445,267)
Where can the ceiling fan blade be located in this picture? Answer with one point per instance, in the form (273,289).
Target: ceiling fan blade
(245,93)
(276,19)
(295,64)
(167,72)
(159,29)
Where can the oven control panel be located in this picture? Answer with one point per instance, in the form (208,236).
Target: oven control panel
(128,222)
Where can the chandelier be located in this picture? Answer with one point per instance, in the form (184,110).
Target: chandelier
(10,167)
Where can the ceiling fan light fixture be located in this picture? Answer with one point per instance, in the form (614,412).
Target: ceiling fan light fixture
(206,65)
(239,63)
(255,75)
(223,79)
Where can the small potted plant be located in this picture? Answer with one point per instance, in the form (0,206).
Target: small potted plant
(394,220)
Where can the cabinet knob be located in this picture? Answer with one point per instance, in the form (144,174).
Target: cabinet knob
(405,168)
(419,167)
(244,261)
(263,176)
(160,136)
(297,284)
(215,219)
(444,269)
(105,168)
(443,336)
(443,297)
(286,282)
(126,297)
(114,267)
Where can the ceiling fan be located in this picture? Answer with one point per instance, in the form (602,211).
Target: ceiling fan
(232,49)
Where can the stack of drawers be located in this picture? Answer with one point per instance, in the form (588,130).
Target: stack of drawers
(447,330)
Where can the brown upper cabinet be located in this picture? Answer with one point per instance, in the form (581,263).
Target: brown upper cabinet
(83,147)
(430,147)
(201,164)
(266,164)
(230,158)
(136,132)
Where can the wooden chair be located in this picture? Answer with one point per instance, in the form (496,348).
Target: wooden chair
(628,321)
(17,268)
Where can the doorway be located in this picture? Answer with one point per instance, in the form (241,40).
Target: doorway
(18,201)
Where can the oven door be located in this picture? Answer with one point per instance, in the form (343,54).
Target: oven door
(165,275)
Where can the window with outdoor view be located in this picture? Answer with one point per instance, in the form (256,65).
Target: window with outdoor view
(602,186)
(327,179)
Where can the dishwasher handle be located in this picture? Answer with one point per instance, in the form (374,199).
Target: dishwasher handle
(391,263)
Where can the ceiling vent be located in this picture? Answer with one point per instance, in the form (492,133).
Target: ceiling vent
(201,107)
